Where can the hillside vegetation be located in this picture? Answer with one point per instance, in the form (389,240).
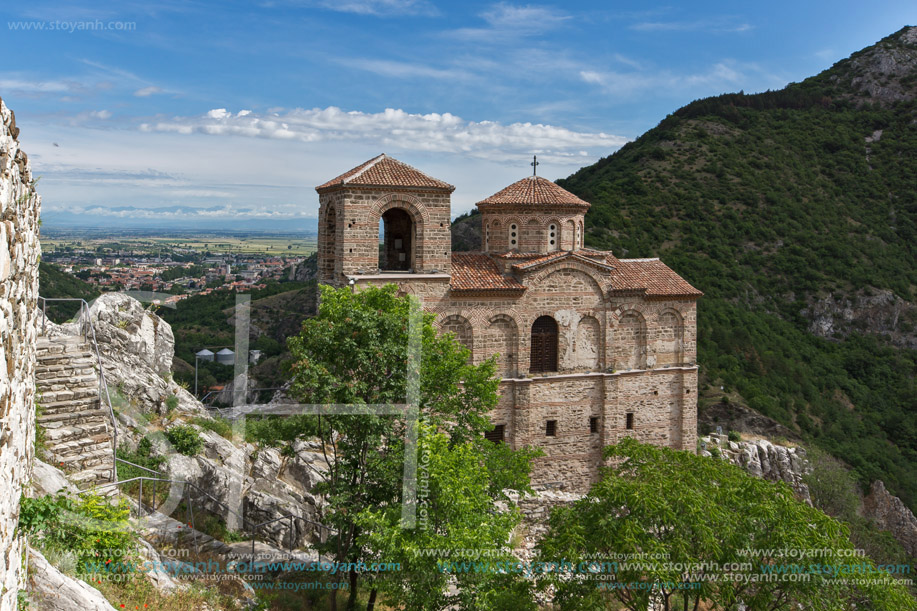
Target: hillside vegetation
(770,203)
(55,283)
(795,211)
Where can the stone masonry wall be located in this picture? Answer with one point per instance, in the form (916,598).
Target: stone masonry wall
(19,253)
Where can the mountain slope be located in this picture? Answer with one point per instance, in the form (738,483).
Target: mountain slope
(795,211)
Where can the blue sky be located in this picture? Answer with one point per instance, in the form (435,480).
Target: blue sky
(178,111)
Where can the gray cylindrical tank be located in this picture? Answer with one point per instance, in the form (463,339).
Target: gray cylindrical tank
(226,356)
(205,355)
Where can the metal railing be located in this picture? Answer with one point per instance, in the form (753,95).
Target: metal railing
(88,330)
(189,507)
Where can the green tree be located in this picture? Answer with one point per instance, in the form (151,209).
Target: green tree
(456,513)
(691,515)
(355,352)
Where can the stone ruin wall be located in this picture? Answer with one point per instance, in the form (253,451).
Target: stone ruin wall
(19,255)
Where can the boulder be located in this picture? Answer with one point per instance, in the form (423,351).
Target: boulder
(51,590)
(48,480)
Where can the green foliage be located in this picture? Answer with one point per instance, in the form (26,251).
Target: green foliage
(171,403)
(769,203)
(355,352)
(185,439)
(455,513)
(90,526)
(700,513)
(220,426)
(280,431)
(141,456)
(54,283)
(734,436)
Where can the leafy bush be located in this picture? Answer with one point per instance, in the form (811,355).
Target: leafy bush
(172,402)
(220,426)
(185,439)
(141,456)
(90,526)
(734,436)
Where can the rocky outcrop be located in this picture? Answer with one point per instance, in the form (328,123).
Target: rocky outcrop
(880,74)
(891,514)
(19,254)
(764,459)
(137,348)
(51,590)
(257,484)
(733,416)
(879,312)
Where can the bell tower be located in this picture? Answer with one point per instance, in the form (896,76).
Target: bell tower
(383,217)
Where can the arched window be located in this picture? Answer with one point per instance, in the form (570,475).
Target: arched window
(544,345)
(576,239)
(513,236)
(397,228)
(487,237)
(552,237)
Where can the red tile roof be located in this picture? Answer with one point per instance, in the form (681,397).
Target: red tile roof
(385,171)
(478,272)
(534,190)
(651,277)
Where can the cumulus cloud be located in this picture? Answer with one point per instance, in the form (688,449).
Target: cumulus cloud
(146,92)
(400,130)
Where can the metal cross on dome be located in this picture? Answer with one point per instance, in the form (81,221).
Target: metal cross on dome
(534,165)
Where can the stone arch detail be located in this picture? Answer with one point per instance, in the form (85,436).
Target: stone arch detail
(418,213)
(540,277)
(670,338)
(462,328)
(501,338)
(630,344)
(588,340)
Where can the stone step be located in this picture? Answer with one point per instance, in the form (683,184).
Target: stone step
(77,359)
(91,477)
(79,377)
(58,419)
(80,444)
(66,407)
(52,350)
(90,457)
(66,395)
(64,370)
(85,429)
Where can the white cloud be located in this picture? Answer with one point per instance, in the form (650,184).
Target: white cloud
(100,114)
(146,92)
(395,69)
(722,76)
(717,25)
(506,21)
(400,130)
(380,8)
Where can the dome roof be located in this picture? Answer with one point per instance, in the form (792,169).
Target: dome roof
(534,191)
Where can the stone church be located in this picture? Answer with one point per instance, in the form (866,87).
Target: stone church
(591,347)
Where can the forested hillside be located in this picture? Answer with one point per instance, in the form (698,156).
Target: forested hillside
(795,211)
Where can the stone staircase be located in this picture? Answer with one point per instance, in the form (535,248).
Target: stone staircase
(78,435)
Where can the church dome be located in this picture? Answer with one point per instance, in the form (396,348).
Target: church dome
(533,191)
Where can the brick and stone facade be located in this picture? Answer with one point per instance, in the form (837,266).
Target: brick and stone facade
(19,253)
(622,332)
